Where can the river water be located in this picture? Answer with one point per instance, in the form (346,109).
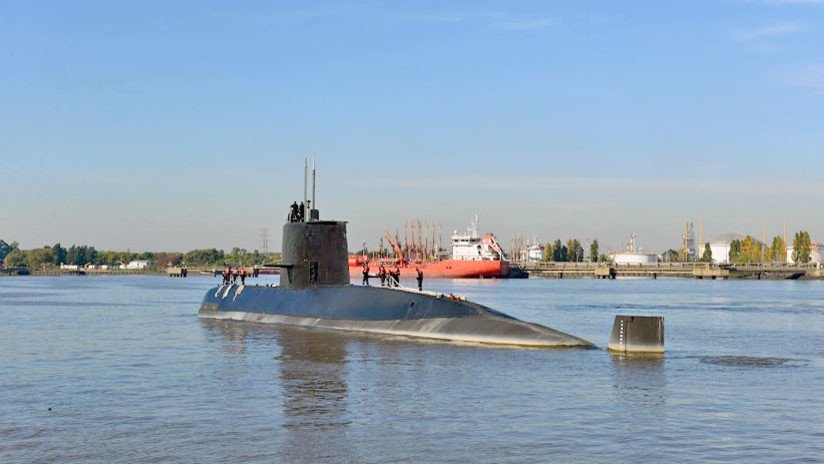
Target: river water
(120,369)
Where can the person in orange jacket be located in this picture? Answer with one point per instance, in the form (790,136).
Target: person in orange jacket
(382,274)
(365,274)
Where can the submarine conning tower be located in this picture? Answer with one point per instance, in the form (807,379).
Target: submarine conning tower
(314,252)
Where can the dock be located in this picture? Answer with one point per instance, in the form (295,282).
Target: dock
(692,270)
(18,271)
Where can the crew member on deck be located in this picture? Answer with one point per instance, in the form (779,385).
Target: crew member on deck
(226,275)
(301,212)
(396,275)
(365,274)
(243,276)
(234,274)
(419,278)
(293,212)
(382,274)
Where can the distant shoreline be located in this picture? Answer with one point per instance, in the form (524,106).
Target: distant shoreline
(814,275)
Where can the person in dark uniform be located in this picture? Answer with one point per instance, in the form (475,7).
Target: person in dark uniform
(243,276)
(365,274)
(382,274)
(301,212)
(234,274)
(226,275)
(419,278)
(293,212)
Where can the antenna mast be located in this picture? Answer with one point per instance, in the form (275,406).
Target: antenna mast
(314,161)
(305,180)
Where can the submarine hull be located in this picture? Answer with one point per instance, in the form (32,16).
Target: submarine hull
(380,310)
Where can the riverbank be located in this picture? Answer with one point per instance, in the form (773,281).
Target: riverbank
(701,271)
(567,271)
(99,272)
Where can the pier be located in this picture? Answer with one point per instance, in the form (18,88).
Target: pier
(697,270)
(20,271)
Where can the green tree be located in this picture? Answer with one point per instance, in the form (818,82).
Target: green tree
(802,247)
(548,256)
(91,255)
(750,251)
(707,256)
(204,257)
(165,259)
(38,258)
(15,258)
(112,258)
(777,251)
(563,253)
(670,256)
(559,251)
(6,248)
(575,252)
(735,251)
(76,255)
(593,251)
(58,254)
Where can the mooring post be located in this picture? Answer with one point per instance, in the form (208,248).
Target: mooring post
(637,334)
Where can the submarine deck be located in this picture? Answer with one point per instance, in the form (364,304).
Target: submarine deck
(380,310)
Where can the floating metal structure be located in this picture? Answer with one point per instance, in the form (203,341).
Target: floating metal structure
(637,334)
(315,291)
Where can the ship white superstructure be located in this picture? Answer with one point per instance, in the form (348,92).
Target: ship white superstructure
(471,246)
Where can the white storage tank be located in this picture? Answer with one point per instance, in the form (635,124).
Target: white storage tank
(634,258)
(633,254)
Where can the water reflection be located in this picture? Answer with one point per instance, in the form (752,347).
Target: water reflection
(313,376)
(311,367)
(315,392)
(232,336)
(639,380)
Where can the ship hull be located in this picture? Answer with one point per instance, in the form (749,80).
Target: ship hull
(380,311)
(450,268)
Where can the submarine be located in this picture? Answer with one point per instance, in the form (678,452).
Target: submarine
(315,291)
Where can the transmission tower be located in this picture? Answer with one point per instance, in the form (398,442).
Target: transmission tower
(264,240)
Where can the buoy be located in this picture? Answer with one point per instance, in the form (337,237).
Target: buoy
(637,334)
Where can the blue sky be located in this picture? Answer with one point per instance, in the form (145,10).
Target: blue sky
(183,124)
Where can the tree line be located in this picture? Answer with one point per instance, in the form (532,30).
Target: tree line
(11,255)
(572,251)
(751,250)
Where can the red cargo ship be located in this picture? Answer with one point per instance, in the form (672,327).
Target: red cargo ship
(473,256)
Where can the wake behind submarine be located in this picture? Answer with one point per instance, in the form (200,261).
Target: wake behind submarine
(315,291)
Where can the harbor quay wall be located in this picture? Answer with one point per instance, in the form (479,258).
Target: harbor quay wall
(696,270)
